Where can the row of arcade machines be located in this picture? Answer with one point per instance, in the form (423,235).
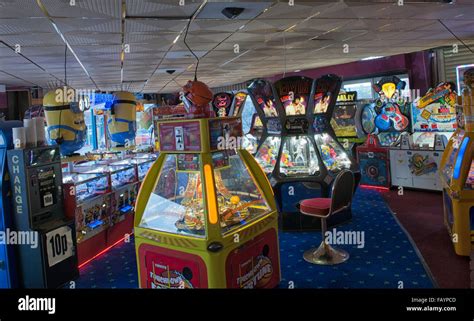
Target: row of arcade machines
(391,155)
(297,147)
(205,215)
(100,197)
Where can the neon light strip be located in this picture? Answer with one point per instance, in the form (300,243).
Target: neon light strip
(459,159)
(375,187)
(102,252)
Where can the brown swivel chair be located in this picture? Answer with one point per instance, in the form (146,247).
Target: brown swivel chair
(341,199)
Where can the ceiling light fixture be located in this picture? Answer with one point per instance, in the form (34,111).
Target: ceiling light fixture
(176,39)
(371,58)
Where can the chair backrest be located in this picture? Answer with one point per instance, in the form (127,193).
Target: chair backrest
(342,191)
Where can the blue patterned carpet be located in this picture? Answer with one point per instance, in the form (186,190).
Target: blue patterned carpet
(387,259)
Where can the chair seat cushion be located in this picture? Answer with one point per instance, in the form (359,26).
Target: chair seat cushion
(315,206)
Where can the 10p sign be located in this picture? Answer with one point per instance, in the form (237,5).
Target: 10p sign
(59,245)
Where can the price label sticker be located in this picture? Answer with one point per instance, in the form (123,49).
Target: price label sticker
(59,245)
(179,138)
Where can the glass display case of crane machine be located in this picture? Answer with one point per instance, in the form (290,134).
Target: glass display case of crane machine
(205,215)
(299,151)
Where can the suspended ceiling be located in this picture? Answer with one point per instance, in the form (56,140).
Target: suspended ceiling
(131,44)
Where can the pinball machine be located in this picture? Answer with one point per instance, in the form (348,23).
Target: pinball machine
(205,214)
(299,151)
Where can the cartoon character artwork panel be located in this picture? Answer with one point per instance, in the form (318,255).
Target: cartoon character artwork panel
(325,93)
(222,103)
(262,92)
(294,93)
(436,111)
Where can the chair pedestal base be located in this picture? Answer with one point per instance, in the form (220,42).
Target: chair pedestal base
(325,255)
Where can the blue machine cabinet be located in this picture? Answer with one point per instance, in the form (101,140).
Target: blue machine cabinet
(36,182)
(8,276)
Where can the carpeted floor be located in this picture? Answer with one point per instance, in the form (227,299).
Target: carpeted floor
(387,259)
(421,213)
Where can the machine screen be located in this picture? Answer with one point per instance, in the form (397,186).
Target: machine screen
(333,155)
(46,155)
(268,153)
(298,157)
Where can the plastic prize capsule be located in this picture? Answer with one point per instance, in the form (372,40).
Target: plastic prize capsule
(121,126)
(65,120)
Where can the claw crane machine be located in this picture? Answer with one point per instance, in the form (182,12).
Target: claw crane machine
(457,174)
(205,214)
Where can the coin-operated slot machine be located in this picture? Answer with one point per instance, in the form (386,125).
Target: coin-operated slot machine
(299,151)
(87,200)
(205,214)
(345,120)
(8,275)
(36,181)
(457,174)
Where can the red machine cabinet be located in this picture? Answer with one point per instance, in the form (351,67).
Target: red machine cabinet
(374,163)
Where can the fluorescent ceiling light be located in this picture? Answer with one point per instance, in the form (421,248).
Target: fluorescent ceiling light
(372,58)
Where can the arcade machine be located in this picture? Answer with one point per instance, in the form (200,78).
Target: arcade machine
(254,136)
(374,163)
(205,217)
(345,122)
(8,275)
(415,160)
(87,201)
(299,151)
(123,182)
(36,182)
(457,175)
(387,116)
(65,121)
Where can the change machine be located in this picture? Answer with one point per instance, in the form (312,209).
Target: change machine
(47,257)
(7,263)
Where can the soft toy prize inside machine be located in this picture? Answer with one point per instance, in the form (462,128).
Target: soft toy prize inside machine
(457,175)
(205,215)
(415,159)
(299,151)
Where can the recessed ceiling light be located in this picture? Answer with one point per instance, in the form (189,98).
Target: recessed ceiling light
(297,70)
(372,57)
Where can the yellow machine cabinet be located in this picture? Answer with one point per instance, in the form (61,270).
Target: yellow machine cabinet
(457,176)
(205,214)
